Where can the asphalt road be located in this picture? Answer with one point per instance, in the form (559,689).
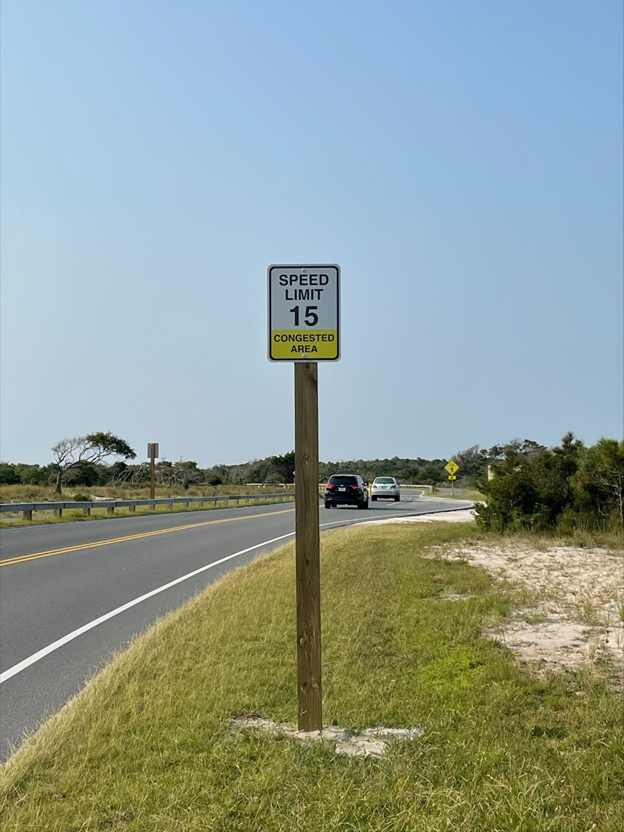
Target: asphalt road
(57,581)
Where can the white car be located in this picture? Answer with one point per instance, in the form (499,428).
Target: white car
(385,488)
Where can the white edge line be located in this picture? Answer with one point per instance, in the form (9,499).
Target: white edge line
(40,654)
(45,651)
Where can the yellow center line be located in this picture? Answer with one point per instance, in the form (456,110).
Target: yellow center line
(50,553)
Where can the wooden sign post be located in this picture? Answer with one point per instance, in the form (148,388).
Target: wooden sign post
(307,546)
(304,327)
(152,453)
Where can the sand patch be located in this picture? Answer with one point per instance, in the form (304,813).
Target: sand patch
(372,742)
(466,515)
(574,603)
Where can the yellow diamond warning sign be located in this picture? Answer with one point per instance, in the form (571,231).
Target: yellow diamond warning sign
(452,467)
(304,313)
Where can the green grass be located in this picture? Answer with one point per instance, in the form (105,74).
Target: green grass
(147,745)
(78,515)
(466,494)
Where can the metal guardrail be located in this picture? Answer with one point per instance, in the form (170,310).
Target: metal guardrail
(27,509)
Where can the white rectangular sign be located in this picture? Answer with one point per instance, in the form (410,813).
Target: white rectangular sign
(304,313)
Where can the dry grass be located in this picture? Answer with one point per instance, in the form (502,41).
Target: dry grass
(11,519)
(40,493)
(20,493)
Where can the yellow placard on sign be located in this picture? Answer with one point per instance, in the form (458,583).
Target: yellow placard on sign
(452,477)
(452,467)
(318,345)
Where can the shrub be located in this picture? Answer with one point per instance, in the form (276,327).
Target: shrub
(568,488)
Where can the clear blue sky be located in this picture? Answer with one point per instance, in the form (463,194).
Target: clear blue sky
(461,161)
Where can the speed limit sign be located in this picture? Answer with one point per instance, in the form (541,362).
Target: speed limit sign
(304,313)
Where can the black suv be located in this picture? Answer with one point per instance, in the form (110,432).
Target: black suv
(349,489)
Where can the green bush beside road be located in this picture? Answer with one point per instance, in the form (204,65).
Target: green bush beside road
(568,488)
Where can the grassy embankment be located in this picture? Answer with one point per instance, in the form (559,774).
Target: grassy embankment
(466,494)
(148,746)
(34,493)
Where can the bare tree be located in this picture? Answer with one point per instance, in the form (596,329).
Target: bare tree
(122,474)
(93,448)
(165,474)
(181,473)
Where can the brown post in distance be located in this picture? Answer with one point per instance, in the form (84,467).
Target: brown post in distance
(152,476)
(152,453)
(307,546)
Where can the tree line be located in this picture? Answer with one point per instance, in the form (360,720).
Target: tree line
(526,484)
(87,461)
